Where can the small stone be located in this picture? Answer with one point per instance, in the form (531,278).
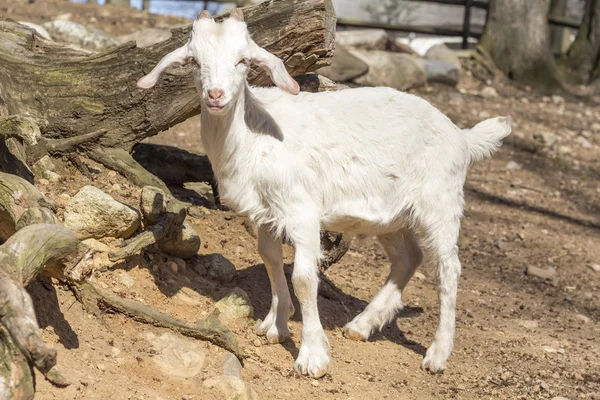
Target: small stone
(44,182)
(564,150)
(595,126)
(176,356)
(559,398)
(231,365)
(52,176)
(512,166)
(549,349)
(528,324)
(116,187)
(547,274)
(173,266)
(111,174)
(126,280)
(235,305)
(219,268)
(583,142)
(420,276)
(180,263)
(556,99)
(64,197)
(115,351)
(188,296)
(501,244)
(101,367)
(546,138)
(583,318)
(315,383)
(521,235)
(488,92)
(595,267)
(257,342)
(586,134)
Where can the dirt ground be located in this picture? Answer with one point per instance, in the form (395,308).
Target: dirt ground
(518,336)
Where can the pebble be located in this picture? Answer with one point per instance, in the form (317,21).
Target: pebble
(180,263)
(257,342)
(101,367)
(521,236)
(559,398)
(595,127)
(583,318)
(116,187)
(420,276)
(595,267)
(126,280)
(315,383)
(583,142)
(44,182)
(115,351)
(548,273)
(488,92)
(173,266)
(513,165)
(528,324)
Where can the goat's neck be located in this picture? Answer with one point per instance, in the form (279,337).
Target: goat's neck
(223,135)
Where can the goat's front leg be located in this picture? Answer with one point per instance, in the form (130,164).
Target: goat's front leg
(313,358)
(275,325)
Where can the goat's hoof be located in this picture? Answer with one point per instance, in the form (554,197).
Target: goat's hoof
(273,334)
(351,331)
(313,362)
(434,361)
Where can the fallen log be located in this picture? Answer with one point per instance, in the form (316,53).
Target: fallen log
(71,93)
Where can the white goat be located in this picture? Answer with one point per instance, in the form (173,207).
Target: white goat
(368,161)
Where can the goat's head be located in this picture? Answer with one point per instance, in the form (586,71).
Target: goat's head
(222,52)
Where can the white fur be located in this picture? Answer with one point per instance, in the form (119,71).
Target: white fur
(368,161)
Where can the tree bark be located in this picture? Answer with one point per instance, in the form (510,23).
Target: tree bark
(581,64)
(72,92)
(516,38)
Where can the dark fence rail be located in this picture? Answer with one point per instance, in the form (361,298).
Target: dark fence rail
(466,32)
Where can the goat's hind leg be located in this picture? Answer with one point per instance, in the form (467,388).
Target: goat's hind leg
(405,255)
(275,325)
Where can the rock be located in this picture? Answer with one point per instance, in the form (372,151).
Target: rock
(317,83)
(441,71)
(528,324)
(586,134)
(152,204)
(173,266)
(547,274)
(184,244)
(257,342)
(344,66)
(583,142)
(396,70)
(365,39)
(176,356)
(583,318)
(559,398)
(231,365)
(188,296)
(79,35)
(595,126)
(126,280)
(513,165)
(246,3)
(101,367)
(549,349)
(556,99)
(546,138)
(39,29)
(91,213)
(96,245)
(44,182)
(180,263)
(114,352)
(232,387)
(145,37)
(488,92)
(235,305)
(52,176)
(441,52)
(595,267)
(420,276)
(219,268)
(42,165)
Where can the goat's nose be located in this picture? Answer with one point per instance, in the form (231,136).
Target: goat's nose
(215,94)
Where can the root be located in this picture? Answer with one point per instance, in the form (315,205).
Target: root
(121,161)
(210,329)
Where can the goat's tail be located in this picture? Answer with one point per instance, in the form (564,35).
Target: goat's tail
(486,137)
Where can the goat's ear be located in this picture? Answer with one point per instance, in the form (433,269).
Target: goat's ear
(179,56)
(274,67)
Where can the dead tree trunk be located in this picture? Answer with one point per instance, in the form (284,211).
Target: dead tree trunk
(70,93)
(581,64)
(516,38)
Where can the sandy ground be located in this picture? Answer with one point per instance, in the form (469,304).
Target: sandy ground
(518,337)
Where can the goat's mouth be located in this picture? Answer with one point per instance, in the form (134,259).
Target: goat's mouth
(215,107)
